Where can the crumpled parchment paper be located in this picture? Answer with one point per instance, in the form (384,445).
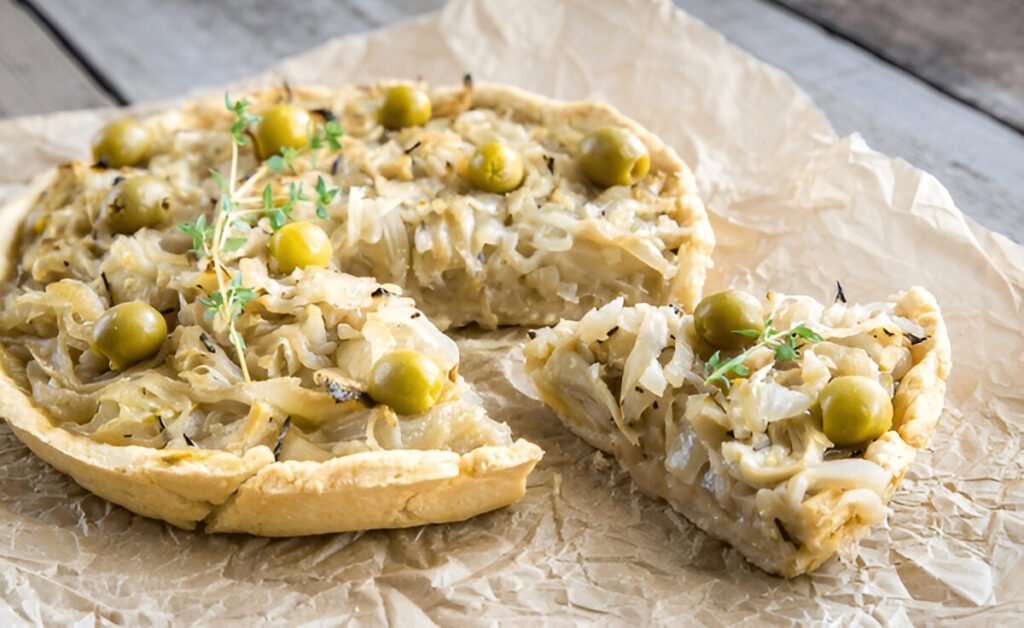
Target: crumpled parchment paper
(794,209)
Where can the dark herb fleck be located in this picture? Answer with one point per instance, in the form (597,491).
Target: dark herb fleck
(655,405)
(188,440)
(551,164)
(531,333)
(327,114)
(336,164)
(638,389)
(66,263)
(106,284)
(785,533)
(416,315)
(467,79)
(833,453)
(160,422)
(677,309)
(413,147)
(118,179)
(101,163)
(611,332)
(839,293)
(341,395)
(127,435)
(380,292)
(280,438)
(914,339)
(888,333)
(674,251)
(203,338)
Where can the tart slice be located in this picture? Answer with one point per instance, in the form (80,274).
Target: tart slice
(782,429)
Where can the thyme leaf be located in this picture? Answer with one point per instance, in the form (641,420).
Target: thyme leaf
(233,244)
(242,119)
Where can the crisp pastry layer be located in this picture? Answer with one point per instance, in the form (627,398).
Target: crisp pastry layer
(750,462)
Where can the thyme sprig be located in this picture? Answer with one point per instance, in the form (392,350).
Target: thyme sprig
(785,343)
(229,229)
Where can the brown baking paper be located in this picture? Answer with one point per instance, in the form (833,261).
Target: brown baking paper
(794,208)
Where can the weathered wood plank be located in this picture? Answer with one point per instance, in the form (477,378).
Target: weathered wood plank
(151,50)
(979,160)
(973,50)
(36,74)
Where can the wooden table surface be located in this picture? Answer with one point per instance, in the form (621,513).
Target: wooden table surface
(939,83)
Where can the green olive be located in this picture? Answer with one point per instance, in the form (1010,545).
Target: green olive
(404,105)
(128,333)
(408,381)
(298,245)
(854,410)
(614,156)
(719,315)
(496,168)
(142,202)
(122,143)
(281,126)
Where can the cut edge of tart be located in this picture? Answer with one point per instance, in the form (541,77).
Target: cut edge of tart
(743,455)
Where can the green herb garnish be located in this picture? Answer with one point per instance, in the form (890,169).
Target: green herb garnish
(228,232)
(785,343)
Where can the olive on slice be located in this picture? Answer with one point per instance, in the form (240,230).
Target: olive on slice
(406,380)
(854,410)
(496,168)
(614,156)
(143,201)
(121,143)
(299,245)
(282,126)
(718,316)
(404,105)
(128,333)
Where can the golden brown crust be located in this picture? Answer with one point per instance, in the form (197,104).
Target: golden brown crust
(376,490)
(918,402)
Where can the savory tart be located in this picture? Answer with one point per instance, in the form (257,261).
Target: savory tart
(210,322)
(784,434)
